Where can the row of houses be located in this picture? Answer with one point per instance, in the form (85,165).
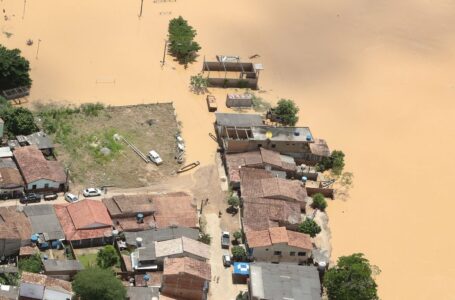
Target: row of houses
(272,169)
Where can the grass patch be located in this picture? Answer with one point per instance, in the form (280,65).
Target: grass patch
(88,260)
(260,105)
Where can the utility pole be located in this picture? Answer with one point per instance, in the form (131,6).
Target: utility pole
(140,13)
(164,53)
(37,49)
(23,11)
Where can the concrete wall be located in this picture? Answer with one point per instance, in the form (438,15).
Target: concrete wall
(284,147)
(267,254)
(40,185)
(183,286)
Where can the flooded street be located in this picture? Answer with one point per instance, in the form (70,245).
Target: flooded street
(375,79)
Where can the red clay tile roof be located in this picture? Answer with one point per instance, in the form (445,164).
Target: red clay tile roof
(261,213)
(34,166)
(186,265)
(300,240)
(10,178)
(47,281)
(276,188)
(175,209)
(14,224)
(319,147)
(129,205)
(278,235)
(84,219)
(271,157)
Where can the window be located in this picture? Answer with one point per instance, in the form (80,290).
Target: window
(259,145)
(273,146)
(266,249)
(34,187)
(302,254)
(46,186)
(276,252)
(292,253)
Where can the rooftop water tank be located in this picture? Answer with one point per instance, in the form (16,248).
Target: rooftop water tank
(140,218)
(34,238)
(139,242)
(146,277)
(309,137)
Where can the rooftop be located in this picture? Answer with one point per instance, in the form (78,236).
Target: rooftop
(129,204)
(40,139)
(10,177)
(14,224)
(239,120)
(51,265)
(47,281)
(182,245)
(296,134)
(320,147)
(44,220)
(187,266)
(276,188)
(163,234)
(34,166)
(262,214)
(284,281)
(8,292)
(84,219)
(142,293)
(278,235)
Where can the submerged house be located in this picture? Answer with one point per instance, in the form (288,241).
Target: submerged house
(39,174)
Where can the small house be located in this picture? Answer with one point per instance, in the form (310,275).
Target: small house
(11,182)
(15,231)
(38,286)
(239,100)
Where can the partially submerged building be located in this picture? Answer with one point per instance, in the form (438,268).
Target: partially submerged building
(38,286)
(283,281)
(11,182)
(186,278)
(39,174)
(15,231)
(85,223)
(147,211)
(279,245)
(261,159)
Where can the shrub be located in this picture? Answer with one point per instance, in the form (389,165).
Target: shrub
(237,235)
(205,238)
(198,84)
(287,112)
(107,257)
(319,202)
(310,227)
(238,253)
(233,201)
(334,162)
(31,264)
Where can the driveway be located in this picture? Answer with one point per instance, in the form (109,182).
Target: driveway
(221,286)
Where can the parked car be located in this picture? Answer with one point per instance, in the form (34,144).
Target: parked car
(71,197)
(91,192)
(225,239)
(50,196)
(30,198)
(226,260)
(155,157)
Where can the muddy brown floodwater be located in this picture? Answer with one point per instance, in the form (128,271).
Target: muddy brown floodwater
(375,78)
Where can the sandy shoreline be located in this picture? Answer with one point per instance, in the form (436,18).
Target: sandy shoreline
(373,78)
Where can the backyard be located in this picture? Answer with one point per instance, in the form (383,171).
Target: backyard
(85,142)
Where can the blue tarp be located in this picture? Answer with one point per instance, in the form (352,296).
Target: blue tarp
(241,268)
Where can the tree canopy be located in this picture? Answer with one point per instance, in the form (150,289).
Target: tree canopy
(100,284)
(233,201)
(31,264)
(238,253)
(107,257)
(351,278)
(334,162)
(310,227)
(287,112)
(181,43)
(14,69)
(319,202)
(18,120)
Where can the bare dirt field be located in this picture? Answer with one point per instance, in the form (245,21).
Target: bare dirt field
(149,127)
(374,78)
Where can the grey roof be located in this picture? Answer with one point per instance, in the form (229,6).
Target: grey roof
(7,162)
(62,265)
(158,235)
(9,292)
(240,120)
(44,220)
(284,281)
(147,253)
(40,139)
(142,293)
(297,134)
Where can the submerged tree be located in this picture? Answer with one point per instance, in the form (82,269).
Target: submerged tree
(319,202)
(14,69)
(181,40)
(351,278)
(287,112)
(334,162)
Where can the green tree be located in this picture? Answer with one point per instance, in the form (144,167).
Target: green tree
(31,264)
(198,84)
(233,201)
(9,279)
(18,120)
(237,235)
(205,238)
(310,227)
(14,69)
(287,112)
(334,162)
(319,202)
(351,278)
(100,284)
(181,43)
(238,253)
(242,296)
(107,257)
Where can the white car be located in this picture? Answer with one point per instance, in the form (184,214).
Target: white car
(91,192)
(155,157)
(71,197)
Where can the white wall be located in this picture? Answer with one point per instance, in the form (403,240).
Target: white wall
(262,254)
(40,184)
